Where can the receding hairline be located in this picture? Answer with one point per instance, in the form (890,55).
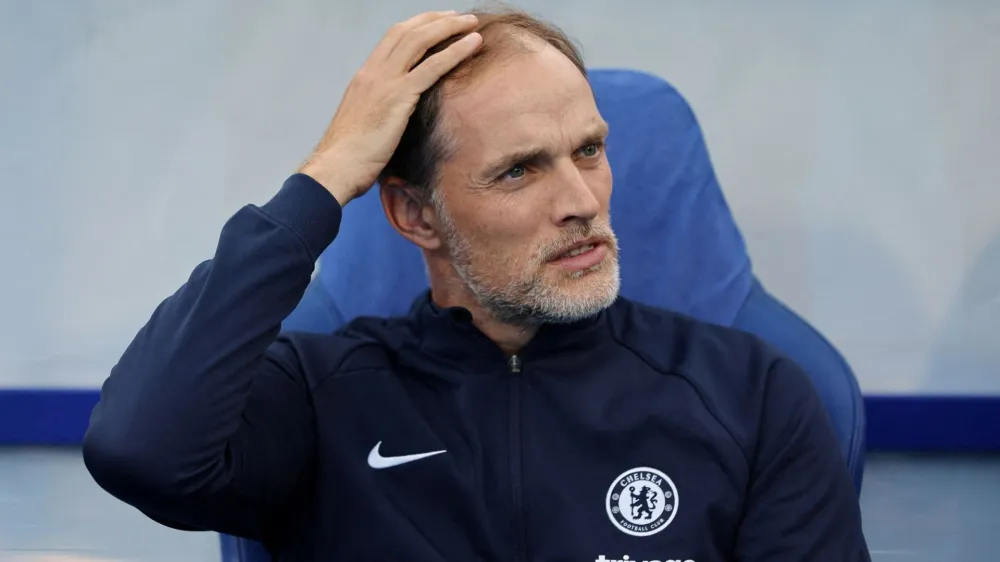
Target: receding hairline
(508,42)
(506,32)
(505,42)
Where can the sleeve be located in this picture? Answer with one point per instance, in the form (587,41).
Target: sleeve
(801,505)
(206,421)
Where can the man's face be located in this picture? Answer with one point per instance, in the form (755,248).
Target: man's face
(527,189)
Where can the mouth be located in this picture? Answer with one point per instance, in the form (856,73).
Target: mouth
(576,251)
(582,255)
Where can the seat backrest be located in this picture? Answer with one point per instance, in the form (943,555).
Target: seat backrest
(680,250)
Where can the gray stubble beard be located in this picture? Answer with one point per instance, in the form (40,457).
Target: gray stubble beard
(528,300)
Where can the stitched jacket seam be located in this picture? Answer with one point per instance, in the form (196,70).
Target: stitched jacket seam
(701,394)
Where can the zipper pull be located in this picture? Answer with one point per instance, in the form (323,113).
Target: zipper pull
(514,364)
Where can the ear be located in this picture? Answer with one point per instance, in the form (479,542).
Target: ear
(409,214)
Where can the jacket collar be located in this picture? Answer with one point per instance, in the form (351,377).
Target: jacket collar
(448,335)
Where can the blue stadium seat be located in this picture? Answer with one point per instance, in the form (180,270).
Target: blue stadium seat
(680,250)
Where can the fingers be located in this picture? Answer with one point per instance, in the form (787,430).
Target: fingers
(419,39)
(437,65)
(401,29)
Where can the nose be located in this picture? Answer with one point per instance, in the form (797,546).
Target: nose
(575,199)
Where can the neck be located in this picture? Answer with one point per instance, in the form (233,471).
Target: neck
(448,290)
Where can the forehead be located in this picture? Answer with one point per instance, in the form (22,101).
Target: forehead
(538,97)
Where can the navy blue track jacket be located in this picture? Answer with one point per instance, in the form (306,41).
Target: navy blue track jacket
(635,435)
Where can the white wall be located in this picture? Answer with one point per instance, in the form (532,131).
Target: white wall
(858,142)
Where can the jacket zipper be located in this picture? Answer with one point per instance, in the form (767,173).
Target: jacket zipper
(514,367)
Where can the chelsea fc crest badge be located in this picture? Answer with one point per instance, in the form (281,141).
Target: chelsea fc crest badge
(642,501)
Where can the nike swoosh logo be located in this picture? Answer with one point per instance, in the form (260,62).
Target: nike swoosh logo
(378,462)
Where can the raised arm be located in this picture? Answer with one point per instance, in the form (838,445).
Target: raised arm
(205,422)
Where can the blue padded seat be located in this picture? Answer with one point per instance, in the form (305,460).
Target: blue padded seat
(680,250)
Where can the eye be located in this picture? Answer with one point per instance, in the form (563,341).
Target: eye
(516,172)
(591,150)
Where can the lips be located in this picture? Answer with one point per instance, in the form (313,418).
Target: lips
(577,251)
(581,257)
(578,248)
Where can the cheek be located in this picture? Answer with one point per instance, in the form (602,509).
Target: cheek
(506,237)
(601,183)
(509,219)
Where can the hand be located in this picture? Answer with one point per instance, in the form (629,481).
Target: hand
(381,97)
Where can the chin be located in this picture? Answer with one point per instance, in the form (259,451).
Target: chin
(554,298)
(583,294)
(601,278)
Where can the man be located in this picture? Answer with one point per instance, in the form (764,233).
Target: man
(522,411)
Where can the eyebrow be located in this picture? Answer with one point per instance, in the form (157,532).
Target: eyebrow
(597,133)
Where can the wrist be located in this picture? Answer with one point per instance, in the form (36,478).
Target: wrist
(305,207)
(330,177)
